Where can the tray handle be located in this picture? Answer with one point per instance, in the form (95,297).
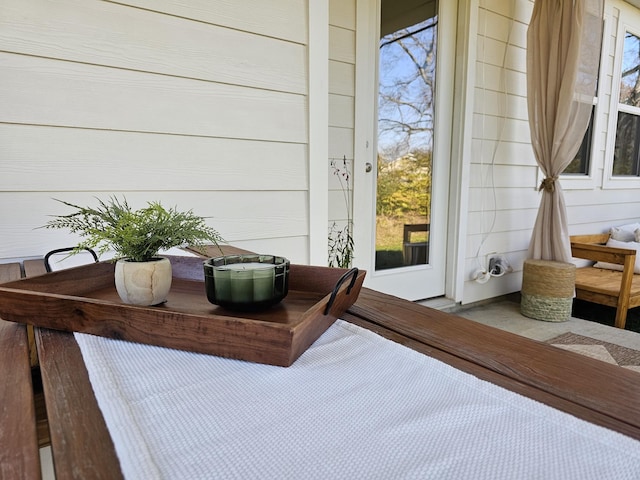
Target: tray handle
(354,274)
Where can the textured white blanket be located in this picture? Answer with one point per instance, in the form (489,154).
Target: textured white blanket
(354,406)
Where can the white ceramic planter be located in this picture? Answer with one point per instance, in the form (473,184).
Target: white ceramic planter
(143,283)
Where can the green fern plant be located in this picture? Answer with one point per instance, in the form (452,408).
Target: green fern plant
(137,235)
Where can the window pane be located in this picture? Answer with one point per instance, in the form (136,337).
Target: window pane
(406,110)
(625,154)
(629,80)
(580,164)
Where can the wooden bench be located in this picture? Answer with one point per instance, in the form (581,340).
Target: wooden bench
(618,289)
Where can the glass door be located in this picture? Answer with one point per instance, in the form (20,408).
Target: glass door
(407,65)
(409,166)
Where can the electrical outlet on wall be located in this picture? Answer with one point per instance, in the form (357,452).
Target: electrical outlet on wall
(495,266)
(499,265)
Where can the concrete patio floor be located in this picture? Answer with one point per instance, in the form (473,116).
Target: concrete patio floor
(504,313)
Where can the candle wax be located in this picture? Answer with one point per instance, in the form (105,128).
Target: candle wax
(245,282)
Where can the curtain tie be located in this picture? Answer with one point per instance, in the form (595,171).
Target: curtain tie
(548,184)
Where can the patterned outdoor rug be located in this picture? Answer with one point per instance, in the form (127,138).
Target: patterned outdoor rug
(607,352)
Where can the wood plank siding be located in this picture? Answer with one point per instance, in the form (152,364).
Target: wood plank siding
(198,104)
(342,60)
(503,199)
(236,109)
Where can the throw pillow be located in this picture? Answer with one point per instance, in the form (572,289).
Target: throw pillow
(625,233)
(618,244)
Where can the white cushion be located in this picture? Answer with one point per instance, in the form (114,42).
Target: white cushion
(618,244)
(625,233)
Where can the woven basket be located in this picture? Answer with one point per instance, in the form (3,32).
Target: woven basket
(547,290)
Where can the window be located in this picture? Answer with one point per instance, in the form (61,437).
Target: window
(406,108)
(626,154)
(582,161)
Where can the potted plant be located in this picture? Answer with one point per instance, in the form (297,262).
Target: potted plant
(136,237)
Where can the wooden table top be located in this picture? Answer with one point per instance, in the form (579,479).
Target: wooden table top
(587,388)
(598,392)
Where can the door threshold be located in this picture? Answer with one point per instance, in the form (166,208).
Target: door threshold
(439,303)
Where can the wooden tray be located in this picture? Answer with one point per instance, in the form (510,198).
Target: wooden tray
(84,299)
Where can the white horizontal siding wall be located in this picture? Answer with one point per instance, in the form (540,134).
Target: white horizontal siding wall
(342,51)
(200,104)
(503,198)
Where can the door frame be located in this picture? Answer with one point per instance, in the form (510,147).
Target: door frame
(365,147)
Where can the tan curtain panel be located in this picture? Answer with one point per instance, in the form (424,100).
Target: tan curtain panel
(563,54)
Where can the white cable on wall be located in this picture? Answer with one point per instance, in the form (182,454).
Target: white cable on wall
(502,109)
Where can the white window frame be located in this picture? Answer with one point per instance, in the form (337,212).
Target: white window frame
(628,21)
(571,181)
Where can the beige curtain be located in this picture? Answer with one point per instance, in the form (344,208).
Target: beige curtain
(563,53)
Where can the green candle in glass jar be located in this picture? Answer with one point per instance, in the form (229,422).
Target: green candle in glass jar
(251,282)
(246,282)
